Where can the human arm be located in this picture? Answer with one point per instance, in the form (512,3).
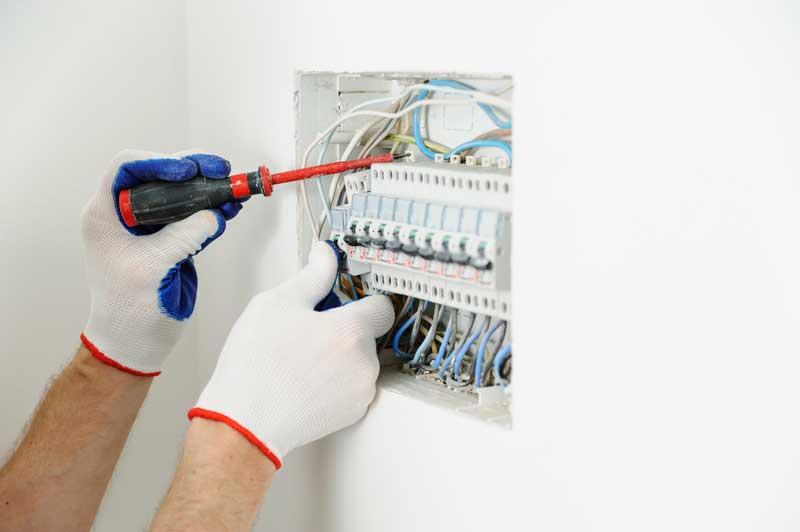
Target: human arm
(143,287)
(287,375)
(219,483)
(57,477)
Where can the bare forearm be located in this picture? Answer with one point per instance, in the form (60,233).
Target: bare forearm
(56,478)
(219,483)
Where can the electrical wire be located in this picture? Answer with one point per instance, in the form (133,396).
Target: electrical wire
(443,347)
(413,320)
(481,351)
(407,109)
(426,342)
(457,347)
(321,159)
(387,129)
(438,83)
(422,306)
(487,370)
(502,90)
(352,287)
(467,145)
(398,335)
(434,146)
(479,330)
(501,357)
(473,144)
(473,97)
(398,317)
(337,180)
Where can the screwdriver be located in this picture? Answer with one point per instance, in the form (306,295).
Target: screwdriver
(163,202)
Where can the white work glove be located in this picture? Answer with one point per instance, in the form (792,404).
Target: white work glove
(288,374)
(143,282)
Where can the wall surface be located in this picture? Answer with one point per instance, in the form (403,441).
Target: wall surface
(655,268)
(655,249)
(78,82)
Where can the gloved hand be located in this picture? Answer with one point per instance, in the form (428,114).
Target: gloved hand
(142,280)
(288,374)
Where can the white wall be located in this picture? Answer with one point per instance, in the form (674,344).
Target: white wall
(78,82)
(655,271)
(665,303)
(656,251)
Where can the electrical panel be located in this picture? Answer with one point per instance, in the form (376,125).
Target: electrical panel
(432,230)
(436,231)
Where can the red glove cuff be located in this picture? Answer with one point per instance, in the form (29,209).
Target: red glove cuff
(216,416)
(99,355)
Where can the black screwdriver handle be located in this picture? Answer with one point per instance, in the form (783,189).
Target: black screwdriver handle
(163,202)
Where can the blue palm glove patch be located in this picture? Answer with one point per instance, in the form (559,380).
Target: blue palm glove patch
(177,291)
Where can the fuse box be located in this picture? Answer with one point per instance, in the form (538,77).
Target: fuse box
(435,232)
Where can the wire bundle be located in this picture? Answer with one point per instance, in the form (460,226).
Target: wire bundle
(396,113)
(459,348)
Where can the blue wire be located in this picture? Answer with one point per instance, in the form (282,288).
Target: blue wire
(398,334)
(498,362)
(352,287)
(465,348)
(430,154)
(480,144)
(443,347)
(486,108)
(403,329)
(446,364)
(481,351)
(447,361)
(426,342)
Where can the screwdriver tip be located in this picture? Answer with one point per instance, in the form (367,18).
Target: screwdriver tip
(400,156)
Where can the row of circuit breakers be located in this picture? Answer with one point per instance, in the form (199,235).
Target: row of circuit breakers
(431,230)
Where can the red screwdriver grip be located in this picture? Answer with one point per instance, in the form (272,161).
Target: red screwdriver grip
(125,208)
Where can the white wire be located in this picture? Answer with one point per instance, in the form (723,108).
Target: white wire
(502,90)
(353,114)
(474,97)
(483,97)
(345,156)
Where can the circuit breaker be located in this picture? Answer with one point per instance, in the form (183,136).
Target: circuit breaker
(432,230)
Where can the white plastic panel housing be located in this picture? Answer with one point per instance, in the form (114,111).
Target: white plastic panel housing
(435,230)
(458,184)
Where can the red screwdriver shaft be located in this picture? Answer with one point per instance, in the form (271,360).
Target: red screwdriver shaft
(330,168)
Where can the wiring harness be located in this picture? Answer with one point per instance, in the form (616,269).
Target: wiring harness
(461,349)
